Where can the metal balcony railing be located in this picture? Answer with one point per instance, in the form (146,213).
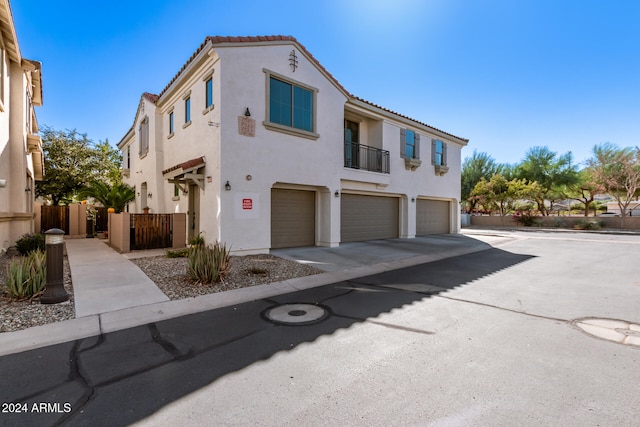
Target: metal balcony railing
(358,156)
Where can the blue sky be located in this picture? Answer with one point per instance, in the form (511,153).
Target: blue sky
(506,74)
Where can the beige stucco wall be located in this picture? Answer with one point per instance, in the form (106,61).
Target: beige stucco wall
(255,165)
(16,167)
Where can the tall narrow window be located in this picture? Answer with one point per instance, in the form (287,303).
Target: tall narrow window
(171,128)
(439,153)
(143,135)
(209,93)
(187,110)
(128,157)
(410,144)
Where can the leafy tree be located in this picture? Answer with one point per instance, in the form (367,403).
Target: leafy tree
(474,168)
(552,172)
(116,196)
(618,171)
(498,193)
(71,161)
(586,189)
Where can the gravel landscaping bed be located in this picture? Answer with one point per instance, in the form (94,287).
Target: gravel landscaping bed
(169,274)
(16,315)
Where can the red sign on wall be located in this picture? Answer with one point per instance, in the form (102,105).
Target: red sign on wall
(247,204)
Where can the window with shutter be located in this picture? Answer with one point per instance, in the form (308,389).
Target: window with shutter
(410,148)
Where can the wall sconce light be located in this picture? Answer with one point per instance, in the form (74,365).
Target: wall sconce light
(138,193)
(227,186)
(413,199)
(247,113)
(28,190)
(149,195)
(336,194)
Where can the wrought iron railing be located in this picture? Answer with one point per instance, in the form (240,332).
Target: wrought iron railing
(358,156)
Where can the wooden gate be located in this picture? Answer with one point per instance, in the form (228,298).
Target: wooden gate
(54,217)
(151,231)
(102,219)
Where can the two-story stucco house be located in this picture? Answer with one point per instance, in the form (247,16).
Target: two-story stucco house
(262,148)
(21,155)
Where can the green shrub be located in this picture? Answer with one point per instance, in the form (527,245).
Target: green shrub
(197,241)
(208,263)
(29,243)
(26,276)
(593,224)
(178,253)
(526,217)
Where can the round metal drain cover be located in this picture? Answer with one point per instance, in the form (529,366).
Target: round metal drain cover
(296,314)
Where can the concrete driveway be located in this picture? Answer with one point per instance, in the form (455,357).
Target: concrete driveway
(487,338)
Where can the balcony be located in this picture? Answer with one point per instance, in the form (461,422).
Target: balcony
(364,157)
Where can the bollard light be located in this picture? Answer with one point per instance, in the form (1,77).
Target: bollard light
(54,291)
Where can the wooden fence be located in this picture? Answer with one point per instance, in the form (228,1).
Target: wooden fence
(54,217)
(151,231)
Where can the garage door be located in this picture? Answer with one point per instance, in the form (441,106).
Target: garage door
(293,218)
(432,217)
(368,217)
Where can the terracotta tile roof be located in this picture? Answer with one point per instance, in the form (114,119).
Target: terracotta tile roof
(150,97)
(198,161)
(219,40)
(407,117)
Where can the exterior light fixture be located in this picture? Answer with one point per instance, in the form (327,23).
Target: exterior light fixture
(247,112)
(149,195)
(336,194)
(54,291)
(413,199)
(227,186)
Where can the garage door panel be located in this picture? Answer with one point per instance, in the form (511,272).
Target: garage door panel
(432,217)
(293,218)
(368,217)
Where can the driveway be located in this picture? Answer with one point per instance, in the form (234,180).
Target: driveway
(487,338)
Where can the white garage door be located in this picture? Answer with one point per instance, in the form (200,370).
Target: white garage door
(293,218)
(432,217)
(368,217)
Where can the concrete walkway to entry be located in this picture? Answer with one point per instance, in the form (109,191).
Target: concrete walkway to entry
(106,281)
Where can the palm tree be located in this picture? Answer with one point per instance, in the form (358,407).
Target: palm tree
(116,196)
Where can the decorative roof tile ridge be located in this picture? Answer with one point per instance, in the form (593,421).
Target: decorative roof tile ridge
(407,117)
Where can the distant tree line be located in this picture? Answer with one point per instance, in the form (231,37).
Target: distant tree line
(543,178)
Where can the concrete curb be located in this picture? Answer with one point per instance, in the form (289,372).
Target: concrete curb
(97,324)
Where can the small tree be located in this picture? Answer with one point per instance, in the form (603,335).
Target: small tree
(618,171)
(474,168)
(116,196)
(553,174)
(586,189)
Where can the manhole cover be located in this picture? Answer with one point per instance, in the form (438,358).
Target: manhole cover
(296,314)
(619,331)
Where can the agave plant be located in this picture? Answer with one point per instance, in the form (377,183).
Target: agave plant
(116,196)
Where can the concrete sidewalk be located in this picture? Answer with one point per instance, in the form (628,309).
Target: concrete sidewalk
(106,281)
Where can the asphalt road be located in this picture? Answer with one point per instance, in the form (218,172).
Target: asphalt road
(482,339)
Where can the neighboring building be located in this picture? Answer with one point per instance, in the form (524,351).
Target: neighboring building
(632,210)
(21,155)
(263,149)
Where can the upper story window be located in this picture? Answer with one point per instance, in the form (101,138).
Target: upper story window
(410,148)
(438,153)
(143,136)
(128,154)
(208,102)
(187,110)
(290,107)
(171,123)
(409,144)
